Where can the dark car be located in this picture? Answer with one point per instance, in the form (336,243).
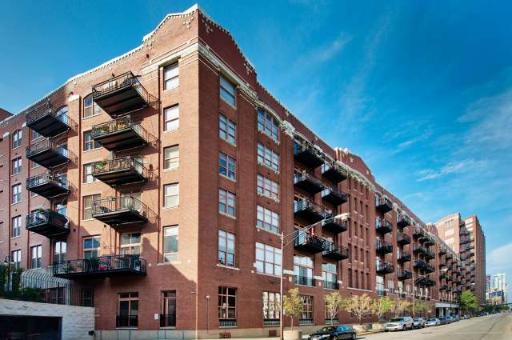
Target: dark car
(444,320)
(334,332)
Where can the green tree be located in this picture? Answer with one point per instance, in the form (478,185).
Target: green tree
(401,306)
(359,306)
(292,304)
(382,305)
(334,303)
(468,302)
(421,307)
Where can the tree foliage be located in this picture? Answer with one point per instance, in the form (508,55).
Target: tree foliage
(381,306)
(334,303)
(401,306)
(359,306)
(468,301)
(421,307)
(292,304)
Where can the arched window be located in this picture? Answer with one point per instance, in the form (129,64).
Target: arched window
(90,109)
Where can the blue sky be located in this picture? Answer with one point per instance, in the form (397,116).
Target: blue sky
(421,90)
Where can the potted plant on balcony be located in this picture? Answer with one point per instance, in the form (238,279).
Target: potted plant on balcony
(100,166)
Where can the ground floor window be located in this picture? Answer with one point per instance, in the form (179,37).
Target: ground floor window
(306,317)
(128,311)
(271,308)
(168,316)
(227,307)
(87,297)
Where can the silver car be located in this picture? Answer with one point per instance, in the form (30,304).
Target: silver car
(419,323)
(399,324)
(433,322)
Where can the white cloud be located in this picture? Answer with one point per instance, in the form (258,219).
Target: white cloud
(330,51)
(450,168)
(498,260)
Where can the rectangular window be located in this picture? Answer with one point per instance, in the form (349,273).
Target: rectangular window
(172,118)
(268,158)
(16,166)
(226,255)
(227,306)
(227,166)
(128,312)
(168,318)
(268,125)
(91,247)
(129,244)
(329,275)
(267,187)
(88,202)
(303,270)
(227,203)
(90,109)
(268,259)
(16,226)
(37,255)
(307,309)
(87,174)
(171,195)
(227,130)
(271,307)
(267,219)
(17,137)
(16,193)
(16,258)
(227,91)
(171,76)
(171,157)
(89,143)
(170,246)
(59,251)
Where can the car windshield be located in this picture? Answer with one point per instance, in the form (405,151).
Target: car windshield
(396,319)
(344,328)
(326,329)
(431,319)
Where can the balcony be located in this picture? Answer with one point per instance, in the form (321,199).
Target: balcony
(306,182)
(403,221)
(47,121)
(334,196)
(417,232)
(334,252)
(420,265)
(429,241)
(48,186)
(307,242)
(383,204)
(404,257)
(424,281)
(304,280)
(120,211)
(403,239)
(335,224)
(48,223)
(120,134)
(429,255)
(403,275)
(307,154)
(383,226)
(419,249)
(120,171)
(442,251)
(101,267)
(308,211)
(48,154)
(384,268)
(334,172)
(383,247)
(120,95)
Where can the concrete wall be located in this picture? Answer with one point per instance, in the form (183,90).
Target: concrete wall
(76,321)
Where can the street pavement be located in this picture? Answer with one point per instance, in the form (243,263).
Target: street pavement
(492,327)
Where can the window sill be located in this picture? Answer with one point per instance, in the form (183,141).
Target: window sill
(170,170)
(170,208)
(170,131)
(268,231)
(227,215)
(91,116)
(228,178)
(169,263)
(227,267)
(269,275)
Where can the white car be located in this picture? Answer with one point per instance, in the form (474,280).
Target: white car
(399,324)
(433,322)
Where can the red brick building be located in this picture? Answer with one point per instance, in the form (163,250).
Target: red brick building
(160,183)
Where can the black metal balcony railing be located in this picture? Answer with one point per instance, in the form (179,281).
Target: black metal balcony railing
(121,95)
(48,223)
(404,275)
(307,242)
(334,172)
(304,181)
(309,211)
(47,121)
(383,226)
(404,257)
(48,154)
(335,224)
(429,241)
(429,255)
(443,287)
(383,247)
(101,267)
(403,221)
(127,321)
(167,320)
(383,268)
(420,265)
(419,249)
(47,185)
(383,204)
(424,281)
(120,134)
(403,238)
(304,280)
(442,251)
(120,211)
(307,154)
(331,285)
(120,171)
(334,252)
(334,196)
(417,232)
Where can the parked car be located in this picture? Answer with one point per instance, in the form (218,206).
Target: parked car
(433,322)
(399,324)
(334,332)
(443,320)
(418,323)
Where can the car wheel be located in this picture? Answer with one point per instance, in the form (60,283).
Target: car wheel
(354,336)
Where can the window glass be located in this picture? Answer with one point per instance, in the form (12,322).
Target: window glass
(268,259)
(268,125)
(267,157)
(226,245)
(171,157)
(172,118)
(227,129)
(227,203)
(170,247)
(227,91)
(227,166)
(171,195)
(171,76)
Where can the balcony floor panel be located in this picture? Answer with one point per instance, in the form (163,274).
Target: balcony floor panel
(49,190)
(122,101)
(308,159)
(121,177)
(121,140)
(50,230)
(334,227)
(309,248)
(48,126)
(121,218)
(48,158)
(334,199)
(309,216)
(334,176)
(333,255)
(309,186)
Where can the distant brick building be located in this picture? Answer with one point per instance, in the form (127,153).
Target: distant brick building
(160,183)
